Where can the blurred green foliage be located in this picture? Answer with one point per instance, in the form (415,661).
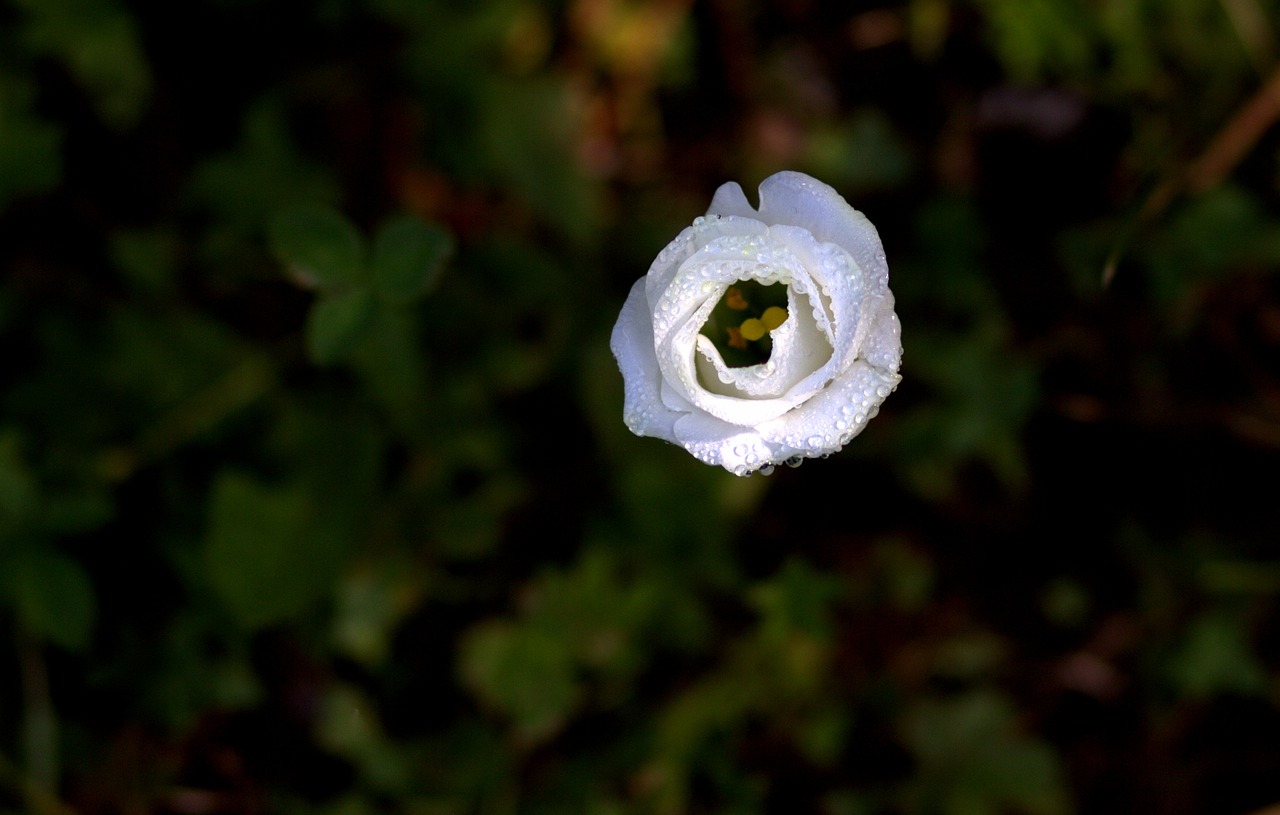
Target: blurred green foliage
(314,490)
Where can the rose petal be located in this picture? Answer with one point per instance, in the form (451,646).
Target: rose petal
(882,345)
(798,200)
(632,345)
(690,240)
(819,427)
(839,281)
(829,420)
(740,450)
(731,200)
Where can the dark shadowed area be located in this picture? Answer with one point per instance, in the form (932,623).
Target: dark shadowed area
(315,494)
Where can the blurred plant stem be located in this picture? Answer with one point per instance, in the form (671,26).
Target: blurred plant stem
(39,735)
(239,387)
(37,799)
(1235,139)
(1251,26)
(1229,146)
(39,722)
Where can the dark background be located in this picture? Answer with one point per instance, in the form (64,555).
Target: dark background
(314,490)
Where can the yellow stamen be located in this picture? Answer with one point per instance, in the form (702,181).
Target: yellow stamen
(735,339)
(752,329)
(734,299)
(773,317)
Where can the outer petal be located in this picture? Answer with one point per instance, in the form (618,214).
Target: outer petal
(819,427)
(798,200)
(881,345)
(632,345)
(829,420)
(731,200)
(740,450)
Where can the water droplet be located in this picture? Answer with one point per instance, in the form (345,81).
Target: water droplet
(813,441)
(794,461)
(740,450)
(766,470)
(841,425)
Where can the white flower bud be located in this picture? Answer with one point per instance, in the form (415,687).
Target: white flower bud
(834,356)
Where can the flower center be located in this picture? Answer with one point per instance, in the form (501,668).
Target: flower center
(741,321)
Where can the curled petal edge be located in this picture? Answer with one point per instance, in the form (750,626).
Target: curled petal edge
(644,412)
(795,199)
(819,427)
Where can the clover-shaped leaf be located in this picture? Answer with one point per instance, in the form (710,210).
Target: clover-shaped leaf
(319,246)
(407,257)
(52,596)
(336,323)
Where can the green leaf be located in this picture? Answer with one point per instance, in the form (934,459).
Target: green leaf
(862,154)
(31,161)
(100,46)
(1216,657)
(336,323)
(407,257)
(75,511)
(52,596)
(18,490)
(265,558)
(524,671)
(972,758)
(148,257)
(265,174)
(1035,37)
(320,247)
(369,604)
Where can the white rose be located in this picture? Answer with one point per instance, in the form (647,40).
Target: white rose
(835,349)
